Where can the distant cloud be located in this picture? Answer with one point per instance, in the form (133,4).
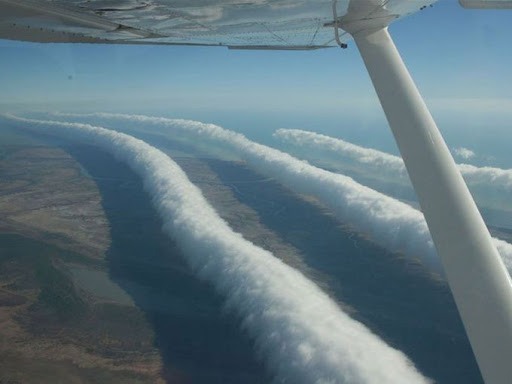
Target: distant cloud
(388,163)
(464,153)
(385,162)
(390,223)
(303,335)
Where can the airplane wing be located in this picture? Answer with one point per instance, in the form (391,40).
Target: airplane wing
(243,24)
(480,283)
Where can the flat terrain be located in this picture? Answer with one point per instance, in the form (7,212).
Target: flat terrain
(91,291)
(51,329)
(45,194)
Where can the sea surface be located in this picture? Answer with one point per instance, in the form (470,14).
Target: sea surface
(198,340)
(202,343)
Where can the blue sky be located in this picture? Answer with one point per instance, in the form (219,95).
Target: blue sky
(459,58)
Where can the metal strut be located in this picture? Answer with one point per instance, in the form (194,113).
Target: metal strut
(477,277)
(336,25)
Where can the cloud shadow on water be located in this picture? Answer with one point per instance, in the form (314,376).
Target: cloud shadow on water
(199,342)
(392,295)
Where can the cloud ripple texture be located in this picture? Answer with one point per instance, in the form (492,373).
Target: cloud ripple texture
(385,162)
(390,223)
(302,334)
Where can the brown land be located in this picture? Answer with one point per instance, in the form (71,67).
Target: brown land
(53,328)
(52,331)
(45,195)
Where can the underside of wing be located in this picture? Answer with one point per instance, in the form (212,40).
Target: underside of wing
(249,24)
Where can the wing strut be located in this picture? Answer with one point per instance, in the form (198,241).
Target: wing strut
(478,279)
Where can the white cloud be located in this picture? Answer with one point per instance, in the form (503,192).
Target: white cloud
(464,153)
(303,335)
(389,222)
(388,163)
(368,156)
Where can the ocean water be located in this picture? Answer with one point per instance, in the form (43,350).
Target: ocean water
(199,342)
(392,295)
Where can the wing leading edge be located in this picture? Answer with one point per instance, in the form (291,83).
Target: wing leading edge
(243,24)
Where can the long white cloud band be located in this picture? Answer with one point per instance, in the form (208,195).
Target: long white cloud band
(391,223)
(303,335)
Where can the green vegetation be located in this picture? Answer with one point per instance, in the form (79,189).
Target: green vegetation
(115,331)
(29,264)
(57,290)
(16,369)
(59,310)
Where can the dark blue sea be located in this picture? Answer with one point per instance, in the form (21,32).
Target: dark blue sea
(202,343)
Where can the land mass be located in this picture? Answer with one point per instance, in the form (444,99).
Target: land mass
(51,329)
(82,265)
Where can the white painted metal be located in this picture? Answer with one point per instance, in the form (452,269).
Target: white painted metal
(478,279)
(268,24)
